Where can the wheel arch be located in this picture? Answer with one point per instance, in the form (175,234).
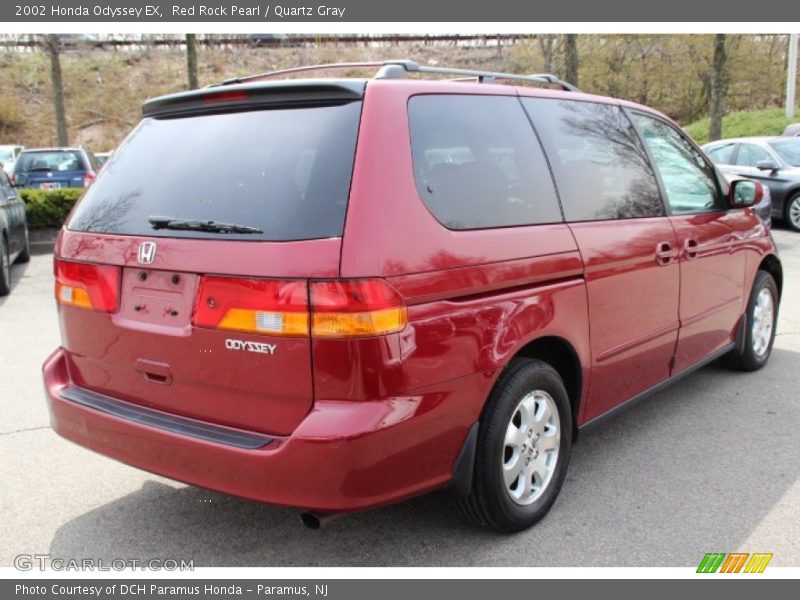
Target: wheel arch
(562,356)
(772,265)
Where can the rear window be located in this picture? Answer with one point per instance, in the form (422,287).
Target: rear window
(478,164)
(60,160)
(285,172)
(722,155)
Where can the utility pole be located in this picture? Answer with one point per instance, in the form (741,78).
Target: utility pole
(791,76)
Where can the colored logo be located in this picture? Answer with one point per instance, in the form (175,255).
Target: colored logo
(735,562)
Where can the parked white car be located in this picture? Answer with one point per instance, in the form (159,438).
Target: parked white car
(8,156)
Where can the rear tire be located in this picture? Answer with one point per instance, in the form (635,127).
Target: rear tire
(5,268)
(791,212)
(523,449)
(759,329)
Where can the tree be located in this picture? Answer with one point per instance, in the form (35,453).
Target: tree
(571,58)
(52,45)
(718,88)
(547,46)
(191,60)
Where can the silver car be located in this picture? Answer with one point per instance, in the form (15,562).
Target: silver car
(774,161)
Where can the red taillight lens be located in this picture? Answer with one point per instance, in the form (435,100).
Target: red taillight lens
(231,96)
(338,309)
(94,287)
(11,178)
(88,178)
(355,308)
(252,305)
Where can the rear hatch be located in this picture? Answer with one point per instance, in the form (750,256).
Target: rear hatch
(208,222)
(50,169)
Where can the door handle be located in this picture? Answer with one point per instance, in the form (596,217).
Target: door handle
(690,248)
(664,253)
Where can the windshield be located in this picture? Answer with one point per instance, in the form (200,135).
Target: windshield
(789,150)
(285,172)
(49,161)
(6,155)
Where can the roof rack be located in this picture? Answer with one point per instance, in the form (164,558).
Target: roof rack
(397,69)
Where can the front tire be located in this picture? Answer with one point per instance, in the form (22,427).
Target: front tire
(760,321)
(25,255)
(5,268)
(791,212)
(523,449)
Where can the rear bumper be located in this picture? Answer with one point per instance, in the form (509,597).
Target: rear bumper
(344,455)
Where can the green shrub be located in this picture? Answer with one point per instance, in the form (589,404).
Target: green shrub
(49,208)
(740,124)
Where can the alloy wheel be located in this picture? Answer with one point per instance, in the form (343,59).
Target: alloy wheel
(531,447)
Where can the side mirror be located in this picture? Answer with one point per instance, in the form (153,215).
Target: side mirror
(745,192)
(766,165)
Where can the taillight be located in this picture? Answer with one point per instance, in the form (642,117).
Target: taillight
(88,178)
(252,305)
(94,287)
(11,178)
(354,308)
(350,308)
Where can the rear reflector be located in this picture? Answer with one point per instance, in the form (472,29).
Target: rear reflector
(353,308)
(93,287)
(252,305)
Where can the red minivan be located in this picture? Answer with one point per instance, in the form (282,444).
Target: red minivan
(335,294)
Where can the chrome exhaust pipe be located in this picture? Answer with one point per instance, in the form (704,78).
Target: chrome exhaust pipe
(314,520)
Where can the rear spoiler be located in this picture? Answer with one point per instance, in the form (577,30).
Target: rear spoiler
(233,98)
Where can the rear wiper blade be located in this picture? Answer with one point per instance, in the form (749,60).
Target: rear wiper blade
(199,225)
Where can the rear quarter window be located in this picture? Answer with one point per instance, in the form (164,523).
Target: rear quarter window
(478,164)
(284,171)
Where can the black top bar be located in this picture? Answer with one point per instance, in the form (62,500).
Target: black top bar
(397,69)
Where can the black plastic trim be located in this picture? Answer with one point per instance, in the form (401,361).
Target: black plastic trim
(160,420)
(465,464)
(589,425)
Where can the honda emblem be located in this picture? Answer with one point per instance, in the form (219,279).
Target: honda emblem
(147,253)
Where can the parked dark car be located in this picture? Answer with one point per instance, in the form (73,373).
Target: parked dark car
(14,244)
(53,168)
(335,294)
(774,161)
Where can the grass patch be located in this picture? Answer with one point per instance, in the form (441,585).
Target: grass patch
(771,121)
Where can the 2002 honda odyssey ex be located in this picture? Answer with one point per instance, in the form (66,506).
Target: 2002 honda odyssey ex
(335,294)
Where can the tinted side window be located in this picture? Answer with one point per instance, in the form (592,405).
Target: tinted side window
(478,164)
(601,168)
(750,155)
(722,155)
(689,181)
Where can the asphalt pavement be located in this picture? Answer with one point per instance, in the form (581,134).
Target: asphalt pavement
(710,464)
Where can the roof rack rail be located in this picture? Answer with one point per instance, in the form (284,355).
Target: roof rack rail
(397,69)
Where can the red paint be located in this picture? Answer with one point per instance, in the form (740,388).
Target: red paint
(362,422)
